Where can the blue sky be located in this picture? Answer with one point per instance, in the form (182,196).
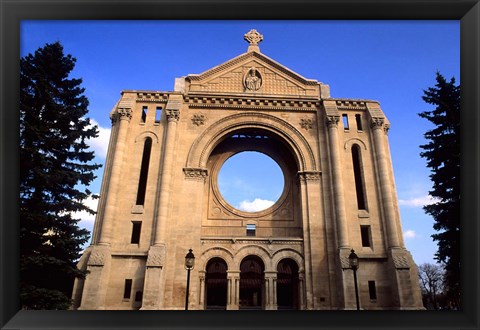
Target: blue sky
(389,61)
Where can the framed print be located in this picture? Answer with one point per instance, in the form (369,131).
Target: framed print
(327,250)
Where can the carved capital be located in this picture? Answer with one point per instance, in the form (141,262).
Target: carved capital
(195,173)
(99,255)
(173,115)
(377,123)
(121,114)
(309,176)
(332,121)
(156,256)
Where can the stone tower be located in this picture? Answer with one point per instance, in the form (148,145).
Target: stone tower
(160,197)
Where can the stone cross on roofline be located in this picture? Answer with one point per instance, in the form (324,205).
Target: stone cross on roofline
(253,38)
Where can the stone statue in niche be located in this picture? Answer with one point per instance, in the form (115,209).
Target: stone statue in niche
(253,80)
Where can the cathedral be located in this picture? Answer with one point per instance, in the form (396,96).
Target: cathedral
(166,239)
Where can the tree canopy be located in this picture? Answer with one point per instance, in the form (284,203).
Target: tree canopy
(55,169)
(442,153)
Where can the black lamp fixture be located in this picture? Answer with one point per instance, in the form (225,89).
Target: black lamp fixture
(353,261)
(189,263)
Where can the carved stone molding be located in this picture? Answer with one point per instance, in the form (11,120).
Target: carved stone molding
(377,123)
(121,114)
(210,102)
(195,173)
(173,115)
(99,255)
(401,262)
(306,123)
(198,119)
(309,176)
(332,121)
(156,256)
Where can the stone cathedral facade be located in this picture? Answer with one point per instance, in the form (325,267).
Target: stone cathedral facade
(160,198)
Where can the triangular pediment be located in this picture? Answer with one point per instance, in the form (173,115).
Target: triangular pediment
(252,73)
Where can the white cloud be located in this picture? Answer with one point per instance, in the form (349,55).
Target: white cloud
(410,234)
(84,216)
(417,202)
(100,143)
(256,205)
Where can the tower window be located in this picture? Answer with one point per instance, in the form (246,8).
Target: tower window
(144,113)
(359,183)
(358,119)
(158,114)
(128,289)
(372,290)
(366,237)
(251,230)
(345,121)
(142,182)
(136,229)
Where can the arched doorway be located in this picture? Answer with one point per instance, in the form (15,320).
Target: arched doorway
(216,284)
(252,280)
(287,284)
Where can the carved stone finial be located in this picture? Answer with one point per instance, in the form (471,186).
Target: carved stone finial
(253,38)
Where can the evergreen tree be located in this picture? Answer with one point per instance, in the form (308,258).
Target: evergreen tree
(54,166)
(442,153)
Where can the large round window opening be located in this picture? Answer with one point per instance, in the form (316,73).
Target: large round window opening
(251,181)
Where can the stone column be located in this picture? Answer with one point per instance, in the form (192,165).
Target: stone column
(301,290)
(233,281)
(98,264)
(201,298)
(337,181)
(153,297)
(271,290)
(121,118)
(165,186)
(379,132)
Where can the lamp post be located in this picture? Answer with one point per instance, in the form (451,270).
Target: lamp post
(353,261)
(189,263)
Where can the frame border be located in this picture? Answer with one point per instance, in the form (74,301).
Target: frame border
(12,12)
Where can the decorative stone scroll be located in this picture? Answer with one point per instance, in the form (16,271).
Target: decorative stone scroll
(156,256)
(332,121)
(309,176)
(195,173)
(99,255)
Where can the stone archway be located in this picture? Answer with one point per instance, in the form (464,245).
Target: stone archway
(252,288)
(216,284)
(287,284)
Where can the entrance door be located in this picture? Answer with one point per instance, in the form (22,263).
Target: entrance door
(287,284)
(252,280)
(216,284)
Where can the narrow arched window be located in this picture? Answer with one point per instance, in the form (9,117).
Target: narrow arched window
(359,181)
(142,182)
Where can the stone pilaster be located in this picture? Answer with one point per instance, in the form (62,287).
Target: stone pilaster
(233,289)
(337,179)
(378,129)
(270,290)
(96,282)
(152,298)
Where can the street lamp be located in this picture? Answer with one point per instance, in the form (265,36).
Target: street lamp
(353,261)
(189,263)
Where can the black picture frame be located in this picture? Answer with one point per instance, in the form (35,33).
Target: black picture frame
(12,12)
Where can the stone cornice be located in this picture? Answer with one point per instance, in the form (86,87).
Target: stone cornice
(250,103)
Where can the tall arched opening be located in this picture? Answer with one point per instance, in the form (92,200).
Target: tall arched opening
(252,279)
(216,284)
(287,285)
